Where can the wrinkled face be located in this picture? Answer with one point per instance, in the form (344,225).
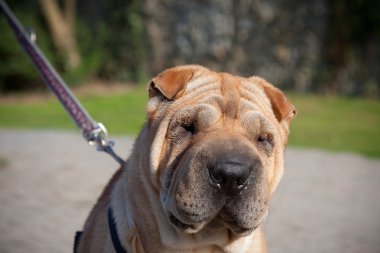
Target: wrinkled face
(218,150)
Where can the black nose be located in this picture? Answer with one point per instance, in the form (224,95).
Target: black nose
(230,176)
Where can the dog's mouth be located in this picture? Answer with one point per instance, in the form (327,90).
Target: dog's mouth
(188,228)
(240,231)
(232,225)
(194,228)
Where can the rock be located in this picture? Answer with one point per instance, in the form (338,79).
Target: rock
(246,37)
(302,45)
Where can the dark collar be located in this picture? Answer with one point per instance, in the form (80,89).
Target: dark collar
(114,236)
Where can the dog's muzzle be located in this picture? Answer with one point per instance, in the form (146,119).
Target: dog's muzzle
(223,179)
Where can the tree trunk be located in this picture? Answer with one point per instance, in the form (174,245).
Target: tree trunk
(61,28)
(70,12)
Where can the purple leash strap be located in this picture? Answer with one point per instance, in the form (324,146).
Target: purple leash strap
(94,132)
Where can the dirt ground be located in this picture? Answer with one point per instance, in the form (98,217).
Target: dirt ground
(49,180)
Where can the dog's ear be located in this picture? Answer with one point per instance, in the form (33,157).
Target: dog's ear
(171,83)
(283,109)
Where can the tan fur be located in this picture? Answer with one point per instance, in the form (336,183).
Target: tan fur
(195,118)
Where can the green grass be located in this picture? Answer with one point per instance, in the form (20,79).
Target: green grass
(333,123)
(121,113)
(339,124)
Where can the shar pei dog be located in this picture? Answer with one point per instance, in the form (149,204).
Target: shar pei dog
(202,171)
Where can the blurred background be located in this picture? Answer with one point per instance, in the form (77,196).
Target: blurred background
(324,54)
(307,46)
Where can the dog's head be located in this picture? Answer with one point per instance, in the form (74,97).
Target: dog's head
(217,147)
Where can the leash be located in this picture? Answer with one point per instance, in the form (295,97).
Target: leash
(94,132)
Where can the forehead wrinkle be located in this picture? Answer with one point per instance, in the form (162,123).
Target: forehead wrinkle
(257,97)
(205,88)
(252,87)
(253,99)
(247,105)
(198,97)
(199,81)
(231,97)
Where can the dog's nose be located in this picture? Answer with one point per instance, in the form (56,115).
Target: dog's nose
(230,176)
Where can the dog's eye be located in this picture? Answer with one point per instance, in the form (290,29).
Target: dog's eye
(181,131)
(265,142)
(189,127)
(186,130)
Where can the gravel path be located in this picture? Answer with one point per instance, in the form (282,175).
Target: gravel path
(49,180)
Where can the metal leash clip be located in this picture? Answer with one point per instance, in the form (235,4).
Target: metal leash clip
(99,137)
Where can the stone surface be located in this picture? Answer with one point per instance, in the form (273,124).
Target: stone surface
(278,40)
(304,45)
